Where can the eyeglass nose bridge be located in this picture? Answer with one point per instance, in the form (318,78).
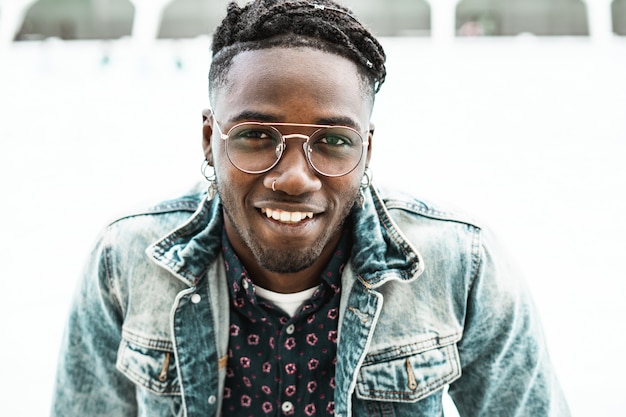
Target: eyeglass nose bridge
(280,148)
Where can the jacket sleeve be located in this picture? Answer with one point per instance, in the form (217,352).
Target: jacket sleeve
(506,370)
(87,382)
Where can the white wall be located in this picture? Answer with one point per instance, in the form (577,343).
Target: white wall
(529,135)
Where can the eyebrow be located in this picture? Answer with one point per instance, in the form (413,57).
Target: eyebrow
(342,121)
(256,116)
(248,115)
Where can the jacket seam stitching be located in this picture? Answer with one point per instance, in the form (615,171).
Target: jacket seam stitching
(418,393)
(429,213)
(109,277)
(476,256)
(161,345)
(183,206)
(426,345)
(150,384)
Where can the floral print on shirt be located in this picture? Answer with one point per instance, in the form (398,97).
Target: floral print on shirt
(280,365)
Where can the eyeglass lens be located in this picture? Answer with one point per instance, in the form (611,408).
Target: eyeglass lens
(332,151)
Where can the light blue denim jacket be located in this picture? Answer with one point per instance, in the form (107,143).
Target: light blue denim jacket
(427,303)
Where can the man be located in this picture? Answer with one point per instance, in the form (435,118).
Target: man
(293,286)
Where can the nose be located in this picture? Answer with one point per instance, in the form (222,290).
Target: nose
(293,174)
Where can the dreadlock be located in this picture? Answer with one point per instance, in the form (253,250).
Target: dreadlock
(320,24)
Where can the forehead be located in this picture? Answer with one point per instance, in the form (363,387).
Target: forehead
(292,84)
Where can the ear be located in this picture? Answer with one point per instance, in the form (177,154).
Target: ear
(207,134)
(370,137)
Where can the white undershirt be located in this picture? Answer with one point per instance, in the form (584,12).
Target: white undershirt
(290,303)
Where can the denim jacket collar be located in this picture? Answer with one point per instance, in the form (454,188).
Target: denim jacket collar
(380,252)
(188,251)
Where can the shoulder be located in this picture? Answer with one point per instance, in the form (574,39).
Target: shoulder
(153,221)
(444,232)
(185,203)
(441,233)
(409,210)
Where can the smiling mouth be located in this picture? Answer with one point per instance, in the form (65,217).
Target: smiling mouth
(287,216)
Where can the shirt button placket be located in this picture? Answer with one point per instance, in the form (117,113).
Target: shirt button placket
(288,369)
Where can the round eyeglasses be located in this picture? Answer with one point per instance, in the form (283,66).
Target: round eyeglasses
(256,147)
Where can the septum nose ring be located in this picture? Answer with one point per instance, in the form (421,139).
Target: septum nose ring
(274,186)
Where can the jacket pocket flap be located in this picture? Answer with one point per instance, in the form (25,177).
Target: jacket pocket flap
(409,378)
(153,369)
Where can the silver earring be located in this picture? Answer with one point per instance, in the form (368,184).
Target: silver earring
(366,181)
(210,177)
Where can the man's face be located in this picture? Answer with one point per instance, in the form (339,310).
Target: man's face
(304,86)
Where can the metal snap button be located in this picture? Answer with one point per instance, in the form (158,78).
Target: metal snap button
(196,298)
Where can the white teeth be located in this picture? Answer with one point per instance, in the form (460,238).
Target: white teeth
(286,216)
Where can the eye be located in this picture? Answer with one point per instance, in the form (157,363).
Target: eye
(253,139)
(253,134)
(335,140)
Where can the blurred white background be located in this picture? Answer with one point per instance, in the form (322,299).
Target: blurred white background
(526,133)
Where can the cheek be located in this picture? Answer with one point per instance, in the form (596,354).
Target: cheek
(348,187)
(357,175)
(220,158)
(226,173)
(233,184)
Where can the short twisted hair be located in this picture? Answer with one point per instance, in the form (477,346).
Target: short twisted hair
(320,24)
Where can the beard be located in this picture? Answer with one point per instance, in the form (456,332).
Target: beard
(288,259)
(285,261)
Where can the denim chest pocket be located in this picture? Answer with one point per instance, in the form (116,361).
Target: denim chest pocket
(408,374)
(149,363)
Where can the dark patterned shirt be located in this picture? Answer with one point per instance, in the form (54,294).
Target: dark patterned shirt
(280,365)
